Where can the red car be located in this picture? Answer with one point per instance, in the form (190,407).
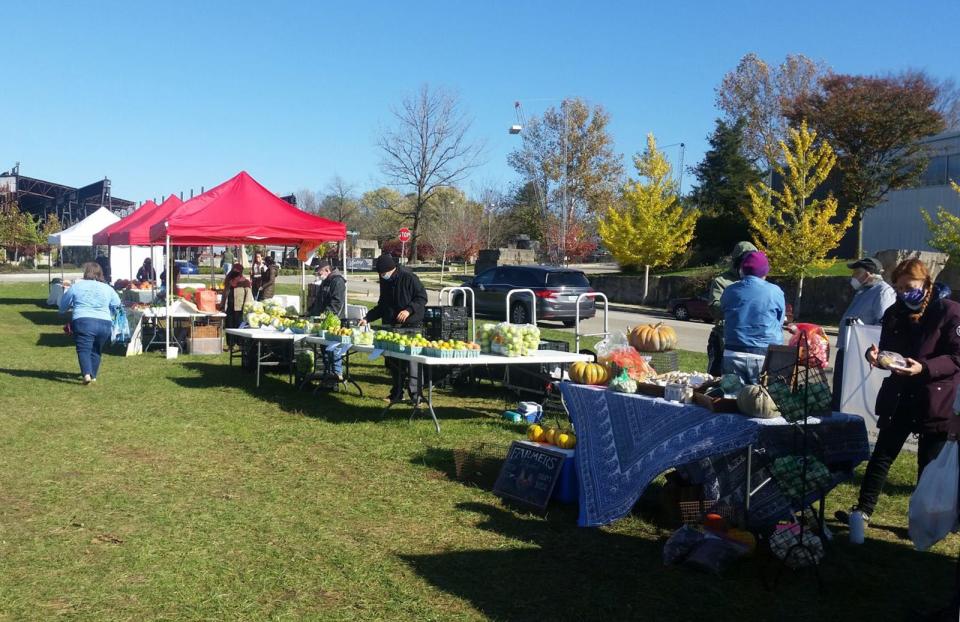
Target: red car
(698,308)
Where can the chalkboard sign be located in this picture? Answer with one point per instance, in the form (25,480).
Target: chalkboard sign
(529,474)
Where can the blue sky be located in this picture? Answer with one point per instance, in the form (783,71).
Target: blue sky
(165,97)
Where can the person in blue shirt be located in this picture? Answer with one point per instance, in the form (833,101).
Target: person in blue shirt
(753,314)
(872,298)
(93,303)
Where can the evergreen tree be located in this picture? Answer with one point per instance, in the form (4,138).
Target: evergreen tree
(724,176)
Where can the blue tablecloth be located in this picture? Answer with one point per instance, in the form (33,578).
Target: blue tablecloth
(625,441)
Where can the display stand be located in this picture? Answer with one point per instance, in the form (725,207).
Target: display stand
(797,388)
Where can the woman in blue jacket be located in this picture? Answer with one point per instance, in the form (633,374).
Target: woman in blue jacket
(753,314)
(93,303)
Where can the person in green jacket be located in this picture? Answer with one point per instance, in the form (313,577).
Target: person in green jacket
(715,291)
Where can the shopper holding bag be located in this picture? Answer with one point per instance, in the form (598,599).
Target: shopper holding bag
(918,397)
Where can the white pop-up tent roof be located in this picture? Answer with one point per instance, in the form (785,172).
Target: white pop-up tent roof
(81,234)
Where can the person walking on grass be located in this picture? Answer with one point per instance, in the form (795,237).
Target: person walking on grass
(93,303)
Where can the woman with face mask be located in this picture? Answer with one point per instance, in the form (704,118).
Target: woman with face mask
(918,397)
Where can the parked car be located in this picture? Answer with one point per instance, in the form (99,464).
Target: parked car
(698,308)
(186,267)
(556,290)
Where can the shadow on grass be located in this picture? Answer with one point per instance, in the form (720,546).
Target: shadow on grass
(561,572)
(43,374)
(45,318)
(54,340)
(334,407)
(26,302)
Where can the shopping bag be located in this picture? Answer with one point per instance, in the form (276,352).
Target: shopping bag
(933,505)
(120,332)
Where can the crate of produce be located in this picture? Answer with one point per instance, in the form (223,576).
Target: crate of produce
(553,345)
(664,362)
(450,354)
(340,338)
(651,389)
(205,345)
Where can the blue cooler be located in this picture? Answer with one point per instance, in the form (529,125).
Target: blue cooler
(567,489)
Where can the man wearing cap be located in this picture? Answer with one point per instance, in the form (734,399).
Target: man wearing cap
(331,298)
(753,314)
(872,298)
(403,302)
(717,285)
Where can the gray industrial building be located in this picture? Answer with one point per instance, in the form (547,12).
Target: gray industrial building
(897,222)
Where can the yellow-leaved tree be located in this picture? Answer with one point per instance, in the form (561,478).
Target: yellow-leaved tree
(945,230)
(795,231)
(650,227)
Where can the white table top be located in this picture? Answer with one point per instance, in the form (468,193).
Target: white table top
(327,343)
(265,335)
(161,312)
(542,356)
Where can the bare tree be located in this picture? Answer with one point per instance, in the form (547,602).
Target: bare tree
(339,204)
(307,201)
(429,148)
(756,91)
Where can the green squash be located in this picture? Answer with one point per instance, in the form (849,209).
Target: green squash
(754,401)
(623,383)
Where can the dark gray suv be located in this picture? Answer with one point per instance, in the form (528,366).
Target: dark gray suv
(556,292)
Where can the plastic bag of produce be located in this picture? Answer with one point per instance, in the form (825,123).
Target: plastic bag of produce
(816,342)
(515,339)
(617,352)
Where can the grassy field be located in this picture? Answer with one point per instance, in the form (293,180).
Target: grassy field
(175,490)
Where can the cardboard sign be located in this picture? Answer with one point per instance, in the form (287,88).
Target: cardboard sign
(781,362)
(529,474)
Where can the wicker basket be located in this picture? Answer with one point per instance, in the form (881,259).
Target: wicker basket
(479,464)
(664,362)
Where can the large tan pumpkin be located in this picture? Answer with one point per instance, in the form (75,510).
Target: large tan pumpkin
(589,373)
(754,401)
(653,338)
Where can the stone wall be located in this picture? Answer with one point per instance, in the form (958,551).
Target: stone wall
(824,295)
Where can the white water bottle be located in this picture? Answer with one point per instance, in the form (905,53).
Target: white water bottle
(856,527)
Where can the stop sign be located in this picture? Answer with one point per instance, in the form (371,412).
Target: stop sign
(404,235)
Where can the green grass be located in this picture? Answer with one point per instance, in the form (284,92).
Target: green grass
(176,490)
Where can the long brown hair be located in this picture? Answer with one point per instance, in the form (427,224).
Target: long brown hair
(916,270)
(92,271)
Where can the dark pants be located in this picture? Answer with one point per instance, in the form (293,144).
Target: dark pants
(715,352)
(233,320)
(90,335)
(889,442)
(398,369)
(837,380)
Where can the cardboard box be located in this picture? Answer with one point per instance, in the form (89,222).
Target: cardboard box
(205,345)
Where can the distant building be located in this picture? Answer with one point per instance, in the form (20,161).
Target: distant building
(897,222)
(70,204)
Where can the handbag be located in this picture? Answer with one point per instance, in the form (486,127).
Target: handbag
(120,330)
(933,505)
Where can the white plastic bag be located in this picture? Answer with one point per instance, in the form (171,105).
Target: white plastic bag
(933,505)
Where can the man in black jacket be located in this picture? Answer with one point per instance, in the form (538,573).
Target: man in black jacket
(331,298)
(403,302)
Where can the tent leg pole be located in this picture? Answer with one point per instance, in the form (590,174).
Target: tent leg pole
(345,286)
(303,288)
(166,261)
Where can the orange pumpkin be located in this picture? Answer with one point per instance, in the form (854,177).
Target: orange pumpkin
(653,338)
(589,373)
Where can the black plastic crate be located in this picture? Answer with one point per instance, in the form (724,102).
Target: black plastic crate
(554,345)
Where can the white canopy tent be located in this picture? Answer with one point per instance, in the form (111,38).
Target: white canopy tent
(81,234)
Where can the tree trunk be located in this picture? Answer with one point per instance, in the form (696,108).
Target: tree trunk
(646,282)
(443,263)
(859,236)
(797,299)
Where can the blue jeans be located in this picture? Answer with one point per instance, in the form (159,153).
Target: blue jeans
(91,335)
(747,367)
(333,362)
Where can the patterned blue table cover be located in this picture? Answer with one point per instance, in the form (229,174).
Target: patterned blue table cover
(625,441)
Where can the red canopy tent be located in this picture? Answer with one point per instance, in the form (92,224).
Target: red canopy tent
(241,211)
(103,237)
(138,232)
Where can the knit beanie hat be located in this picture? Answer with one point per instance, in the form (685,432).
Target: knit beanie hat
(385,263)
(755,264)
